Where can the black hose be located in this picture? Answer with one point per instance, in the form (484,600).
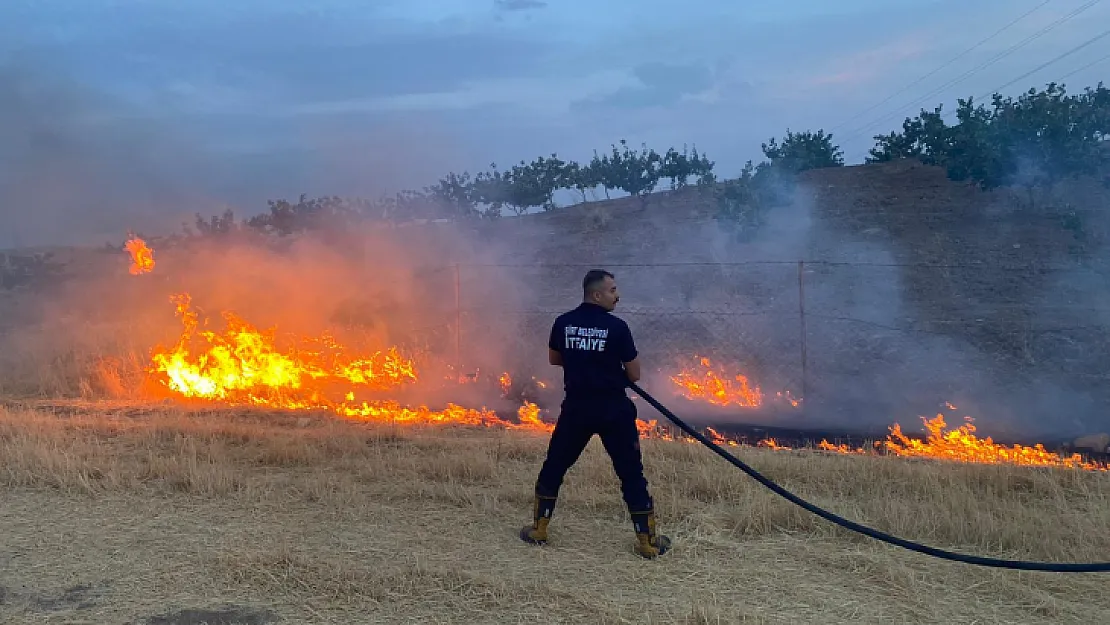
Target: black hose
(1021,565)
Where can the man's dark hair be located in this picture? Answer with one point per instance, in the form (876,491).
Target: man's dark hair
(593,279)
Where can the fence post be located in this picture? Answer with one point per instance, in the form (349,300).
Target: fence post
(458,325)
(802,330)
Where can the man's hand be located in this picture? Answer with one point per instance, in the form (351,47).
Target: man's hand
(632,370)
(554,357)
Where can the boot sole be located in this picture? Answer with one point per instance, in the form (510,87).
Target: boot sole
(528,539)
(664,547)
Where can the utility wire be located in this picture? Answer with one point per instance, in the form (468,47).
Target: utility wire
(1079,69)
(949,62)
(860,130)
(1102,35)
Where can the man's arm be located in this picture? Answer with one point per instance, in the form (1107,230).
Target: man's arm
(632,370)
(629,355)
(554,356)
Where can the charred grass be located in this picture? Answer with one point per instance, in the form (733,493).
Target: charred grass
(153,509)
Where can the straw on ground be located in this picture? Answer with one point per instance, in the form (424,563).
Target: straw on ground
(121,513)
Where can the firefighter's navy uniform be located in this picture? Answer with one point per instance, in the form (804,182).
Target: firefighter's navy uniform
(594,345)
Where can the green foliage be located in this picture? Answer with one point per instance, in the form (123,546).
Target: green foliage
(454,195)
(533,184)
(742,203)
(923,138)
(217,225)
(582,178)
(493,189)
(1034,140)
(680,167)
(634,173)
(286,218)
(804,150)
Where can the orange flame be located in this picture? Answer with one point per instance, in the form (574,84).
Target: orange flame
(243,365)
(712,387)
(963,445)
(142,256)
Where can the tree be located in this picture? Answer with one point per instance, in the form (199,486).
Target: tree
(679,167)
(455,195)
(217,224)
(702,168)
(534,184)
(631,172)
(1034,140)
(742,203)
(600,170)
(924,138)
(582,177)
(492,189)
(804,150)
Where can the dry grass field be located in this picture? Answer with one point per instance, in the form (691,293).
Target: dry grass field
(124,513)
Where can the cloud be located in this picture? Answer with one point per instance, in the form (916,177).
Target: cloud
(252,61)
(519,5)
(549,94)
(656,84)
(866,66)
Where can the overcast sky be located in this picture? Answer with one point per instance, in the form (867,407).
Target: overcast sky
(249,99)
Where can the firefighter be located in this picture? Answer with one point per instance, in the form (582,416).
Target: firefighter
(599,359)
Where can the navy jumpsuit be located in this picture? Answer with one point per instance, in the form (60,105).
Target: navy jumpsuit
(594,344)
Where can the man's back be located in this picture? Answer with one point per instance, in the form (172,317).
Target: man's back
(594,345)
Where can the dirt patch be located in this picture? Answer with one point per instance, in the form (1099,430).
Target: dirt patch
(78,597)
(75,597)
(231,615)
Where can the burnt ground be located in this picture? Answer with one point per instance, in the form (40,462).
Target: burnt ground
(915,291)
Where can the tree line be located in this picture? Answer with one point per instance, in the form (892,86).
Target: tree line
(1033,140)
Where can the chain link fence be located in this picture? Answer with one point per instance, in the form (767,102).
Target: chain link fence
(1022,349)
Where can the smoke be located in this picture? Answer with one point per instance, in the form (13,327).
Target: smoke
(78,167)
(890,336)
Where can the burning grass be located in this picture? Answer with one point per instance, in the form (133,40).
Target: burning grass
(320,519)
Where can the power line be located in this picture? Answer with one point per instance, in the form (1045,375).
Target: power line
(1029,73)
(855,134)
(946,64)
(1091,64)
(1070,52)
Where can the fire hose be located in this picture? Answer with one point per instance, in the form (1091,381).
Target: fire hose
(1021,565)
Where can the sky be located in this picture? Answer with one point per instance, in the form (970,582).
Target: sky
(206,103)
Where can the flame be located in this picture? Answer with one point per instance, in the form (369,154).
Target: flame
(506,382)
(842,448)
(529,416)
(142,256)
(710,386)
(963,445)
(770,443)
(244,365)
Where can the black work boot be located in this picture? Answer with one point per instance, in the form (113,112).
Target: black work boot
(649,544)
(536,533)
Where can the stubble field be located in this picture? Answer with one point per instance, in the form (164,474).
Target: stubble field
(132,513)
